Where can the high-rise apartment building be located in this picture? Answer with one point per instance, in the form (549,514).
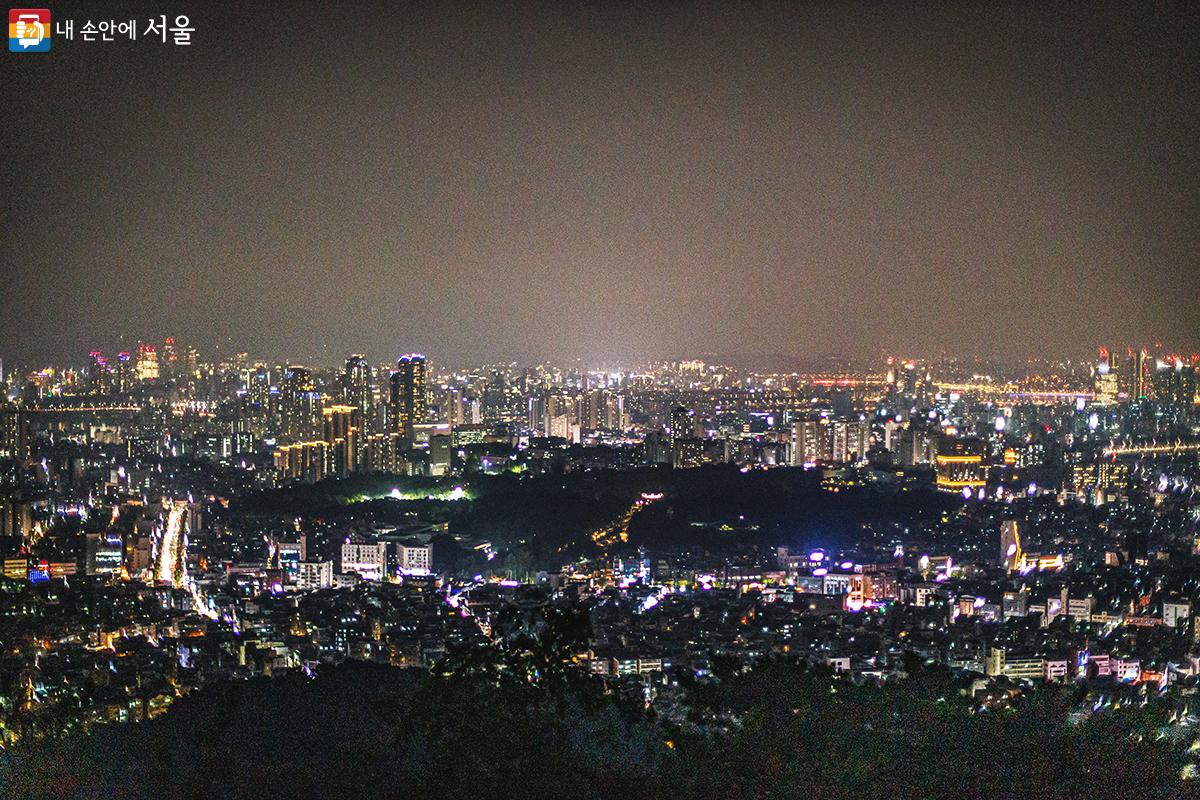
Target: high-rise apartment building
(408,402)
(14,431)
(357,388)
(300,405)
(343,434)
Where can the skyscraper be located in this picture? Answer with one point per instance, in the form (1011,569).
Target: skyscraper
(14,431)
(682,423)
(98,373)
(409,384)
(1136,374)
(1173,381)
(812,441)
(1106,378)
(169,362)
(342,432)
(300,405)
(357,389)
(147,362)
(125,372)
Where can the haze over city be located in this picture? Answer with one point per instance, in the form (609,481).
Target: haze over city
(610,182)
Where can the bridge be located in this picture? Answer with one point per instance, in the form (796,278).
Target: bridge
(1152,449)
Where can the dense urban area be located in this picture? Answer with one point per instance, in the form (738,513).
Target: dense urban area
(903,555)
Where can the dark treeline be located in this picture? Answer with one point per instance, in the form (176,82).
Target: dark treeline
(519,718)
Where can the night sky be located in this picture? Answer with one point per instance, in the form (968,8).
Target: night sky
(601,181)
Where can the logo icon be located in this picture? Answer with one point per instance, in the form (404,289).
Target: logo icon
(29,30)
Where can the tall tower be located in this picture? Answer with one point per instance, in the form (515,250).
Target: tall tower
(1106,378)
(356,388)
(1139,384)
(125,372)
(97,373)
(300,405)
(169,362)
(409,385)
(14,431)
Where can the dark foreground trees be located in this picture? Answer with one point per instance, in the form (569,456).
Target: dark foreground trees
(515,720)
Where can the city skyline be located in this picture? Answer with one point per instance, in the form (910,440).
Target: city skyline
(1084,355)
(613,184)
(677,400)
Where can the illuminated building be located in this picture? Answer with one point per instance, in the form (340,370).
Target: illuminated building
(409,384)
(258,386)
(441,448)
(147,362)
(1176,612)
(357,389)
(302,461)
(850,440)
(1079,476)
(476,433)
(104,554)
(414,559)
(381,453)
(16,568)
(811,441)
(561,426)
(1106,380)
(1015,667)
(125,372)
(598,409)
(286,556)
(343,434)
(14,431)
(560,418)
(312,575)
(300,405)
(1136,374)
(879,586)
(912,386)
(169,364)
(1015,604)
(16,518)
(535,413)
(962,467)
(615,417)
(1174,383)
(589,408)
(687,453)
(1042,562)
(1080,608)
(453,409)
(682,424)
(98,373)
(368,561)
(915,445)
(1112,476)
